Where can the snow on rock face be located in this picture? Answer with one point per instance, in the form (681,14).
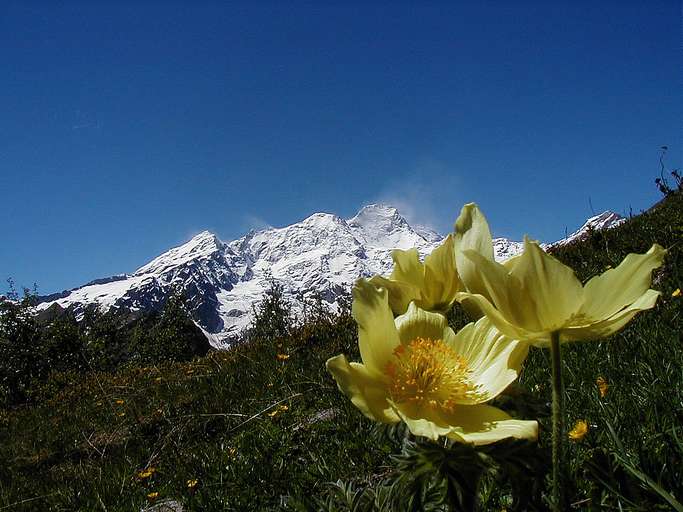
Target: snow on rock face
(203,245)
(322,254)
(605,220)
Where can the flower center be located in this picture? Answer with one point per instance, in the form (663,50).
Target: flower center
(429,372)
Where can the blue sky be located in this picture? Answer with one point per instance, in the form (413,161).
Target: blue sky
(128,127)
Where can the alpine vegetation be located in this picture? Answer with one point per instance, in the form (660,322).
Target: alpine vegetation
(444,360)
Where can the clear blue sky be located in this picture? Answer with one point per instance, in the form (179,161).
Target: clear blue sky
(126,129)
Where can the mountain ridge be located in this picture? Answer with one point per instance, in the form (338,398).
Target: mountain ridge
(321,255)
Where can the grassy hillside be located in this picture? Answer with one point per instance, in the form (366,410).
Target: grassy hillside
(263,426)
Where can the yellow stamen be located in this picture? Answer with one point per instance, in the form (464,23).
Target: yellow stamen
(428,372)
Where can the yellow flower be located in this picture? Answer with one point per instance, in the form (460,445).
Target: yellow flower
(121,414)
(192,483)
(533,295)
(417,370)
(602,386)
(579,431)
(152,496)
(146,473)
(282,357)
(432,285)
(120,402)
(676,292)
(280,408)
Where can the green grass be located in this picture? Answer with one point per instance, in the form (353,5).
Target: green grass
(222,419)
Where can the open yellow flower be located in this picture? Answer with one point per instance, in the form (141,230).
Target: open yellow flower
(432,285)
(533,295)
(579,431)
(417,370)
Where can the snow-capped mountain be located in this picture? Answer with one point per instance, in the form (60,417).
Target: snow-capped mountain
(323,254)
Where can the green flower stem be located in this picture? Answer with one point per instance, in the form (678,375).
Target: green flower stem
(558,420)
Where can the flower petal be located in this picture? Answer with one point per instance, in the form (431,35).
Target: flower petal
(472,233)
(377,336)
(418,323)
(407,267)
(366,392)
(422,421)
(550,291)
(473,424)
(496,317)
(494,359)
(400,294)
(616,322)
(615,289)
(484,424)
(441,281)
(503,291)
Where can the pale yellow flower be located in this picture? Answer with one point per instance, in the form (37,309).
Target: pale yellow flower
(192,483)
(676,292)
(417,370)
(579,431)
(152,496)
(533,295)
(432,285)
(282,357)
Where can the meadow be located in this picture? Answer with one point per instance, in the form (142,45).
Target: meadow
(264,427)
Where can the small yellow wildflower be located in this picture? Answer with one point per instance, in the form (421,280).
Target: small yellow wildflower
(602,386)
(99,404)
(280,408)
(192,483)
(121,414)
(146,473)
(120,402)
(676,292)
(152,496)
(579,431)
(232,452)
(282,357)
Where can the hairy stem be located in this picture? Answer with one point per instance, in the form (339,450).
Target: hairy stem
(558,421)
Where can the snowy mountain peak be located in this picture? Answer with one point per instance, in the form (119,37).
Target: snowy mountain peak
(605,220)
(205,244)
(382,226)
(322,220)
(377,215)
(320,256)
